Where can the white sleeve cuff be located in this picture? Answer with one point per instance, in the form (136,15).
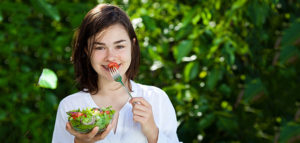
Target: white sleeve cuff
(162,138)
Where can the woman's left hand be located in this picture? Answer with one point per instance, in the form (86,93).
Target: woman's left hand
(142,113)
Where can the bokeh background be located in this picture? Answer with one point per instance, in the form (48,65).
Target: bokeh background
(230,67)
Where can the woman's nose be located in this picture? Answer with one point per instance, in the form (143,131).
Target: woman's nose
(111,55)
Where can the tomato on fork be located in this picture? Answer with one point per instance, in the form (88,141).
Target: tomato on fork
(112,65)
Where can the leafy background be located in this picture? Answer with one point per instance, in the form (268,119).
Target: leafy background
(231,68)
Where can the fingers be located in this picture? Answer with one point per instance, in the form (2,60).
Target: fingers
(139,100)
(142,112)
(70,129)
(140,107)
(104,134)
(107,130)
(139,113)
(81,136)
(139,119)
(93,132)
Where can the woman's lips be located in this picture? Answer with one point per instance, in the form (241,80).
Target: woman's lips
(106,67)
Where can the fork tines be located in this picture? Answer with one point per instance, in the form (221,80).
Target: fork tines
(113,72)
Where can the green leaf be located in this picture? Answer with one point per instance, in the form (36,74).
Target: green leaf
(1,17)
(235,6)
(188,17)
(149,22)
(153,54)
(229,53)
(288,131)
(196,19)
(206,121)
(238,4)
(287,52)
(191,71)
(175,87)
(1,36)
(213,78)
(214,48)
(227,123)
(46,8)
(258,12)
(206,16)
(51,101)
(48,79)
(3,115)
(183,49)
(225,89)
(253,87)
(291,34)
(183,32)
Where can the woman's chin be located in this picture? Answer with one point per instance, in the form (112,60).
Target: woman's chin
(107,77)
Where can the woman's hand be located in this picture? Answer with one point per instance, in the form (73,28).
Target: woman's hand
(90,137)
(142,113)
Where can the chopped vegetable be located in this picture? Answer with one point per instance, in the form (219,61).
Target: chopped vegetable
(84,121)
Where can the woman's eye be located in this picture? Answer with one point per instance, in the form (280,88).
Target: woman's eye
(99,48)
(120,47)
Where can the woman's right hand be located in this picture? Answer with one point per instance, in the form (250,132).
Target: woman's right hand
(90,137)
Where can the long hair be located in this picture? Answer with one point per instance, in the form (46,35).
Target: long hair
(96,20)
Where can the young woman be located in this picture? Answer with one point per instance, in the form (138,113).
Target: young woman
(106,35)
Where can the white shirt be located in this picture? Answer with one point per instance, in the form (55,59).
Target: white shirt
(127,130)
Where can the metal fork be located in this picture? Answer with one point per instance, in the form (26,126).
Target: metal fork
(117,77)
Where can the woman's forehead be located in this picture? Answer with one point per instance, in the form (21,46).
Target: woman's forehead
(112,33)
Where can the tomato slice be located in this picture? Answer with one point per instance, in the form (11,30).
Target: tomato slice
(80,114)
(112,65)
(77,114)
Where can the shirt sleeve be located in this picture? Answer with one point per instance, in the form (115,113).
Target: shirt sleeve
(168,123)
(60,134)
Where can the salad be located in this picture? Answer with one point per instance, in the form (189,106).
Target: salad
(85,120)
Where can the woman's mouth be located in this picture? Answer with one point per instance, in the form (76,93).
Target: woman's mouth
(107,68)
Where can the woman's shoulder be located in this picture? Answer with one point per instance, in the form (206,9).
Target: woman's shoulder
(74,98)
(148,90)
(137,86)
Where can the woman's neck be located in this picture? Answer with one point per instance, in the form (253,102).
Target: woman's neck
(111,93)
(109,87)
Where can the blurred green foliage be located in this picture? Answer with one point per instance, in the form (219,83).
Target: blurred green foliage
(231,68)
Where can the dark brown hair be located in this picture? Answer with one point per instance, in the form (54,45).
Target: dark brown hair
(96,20)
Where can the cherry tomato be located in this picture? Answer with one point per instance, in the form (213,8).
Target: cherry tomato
(77,114)
(112,64)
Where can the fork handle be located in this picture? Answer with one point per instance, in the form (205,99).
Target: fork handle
(126,89)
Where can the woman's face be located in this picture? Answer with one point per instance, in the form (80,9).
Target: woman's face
(111,45)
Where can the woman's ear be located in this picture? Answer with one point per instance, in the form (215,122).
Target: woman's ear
(86,51)
(134,41)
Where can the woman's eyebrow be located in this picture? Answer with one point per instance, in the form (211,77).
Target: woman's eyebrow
(99,43)
(119,41)
(116,42)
